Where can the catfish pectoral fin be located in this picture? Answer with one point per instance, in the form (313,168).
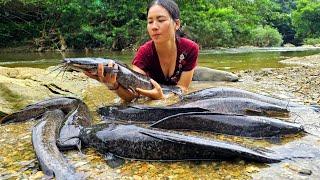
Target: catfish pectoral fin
(253,112)
(163,137)
(68,144)
(114,161)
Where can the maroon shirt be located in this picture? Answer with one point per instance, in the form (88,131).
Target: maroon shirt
(147,59)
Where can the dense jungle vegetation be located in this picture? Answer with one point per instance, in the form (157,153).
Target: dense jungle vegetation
(121,24)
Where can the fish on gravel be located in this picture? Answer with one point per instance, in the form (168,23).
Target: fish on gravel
(237,105)
(141,113)
(238,125)
(36,110)
(44,135)
(133,142)
(224,92)
(230,105)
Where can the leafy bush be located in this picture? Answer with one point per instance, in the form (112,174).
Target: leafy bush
(306,19)
(266,37)
(312,41)
(120,24)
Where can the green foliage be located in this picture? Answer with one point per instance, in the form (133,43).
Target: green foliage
(120,24)
(306,19)
(266,37)
(312,41)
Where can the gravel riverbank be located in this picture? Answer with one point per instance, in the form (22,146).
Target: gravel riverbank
(299,82)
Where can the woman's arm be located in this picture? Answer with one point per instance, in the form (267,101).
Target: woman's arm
(185,80)
(155,93)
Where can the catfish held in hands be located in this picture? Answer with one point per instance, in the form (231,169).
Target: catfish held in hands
(128,78)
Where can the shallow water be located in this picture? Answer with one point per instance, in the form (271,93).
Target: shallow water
(223,59)
(17,159)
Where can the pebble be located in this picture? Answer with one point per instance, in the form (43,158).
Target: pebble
(305,172)
(251,169)
(81,163)
(297,169)
(136,177)
(38,175)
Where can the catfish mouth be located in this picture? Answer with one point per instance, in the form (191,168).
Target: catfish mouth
(79,66)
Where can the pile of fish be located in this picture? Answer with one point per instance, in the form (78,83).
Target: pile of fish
(65,123)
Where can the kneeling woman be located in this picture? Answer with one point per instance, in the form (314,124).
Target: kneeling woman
(167,58)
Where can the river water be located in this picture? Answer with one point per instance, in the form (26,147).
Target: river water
(17,159)
(223,59)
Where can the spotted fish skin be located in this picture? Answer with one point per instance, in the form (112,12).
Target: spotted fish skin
(133,142)
(128,78)
(238,125)
(44,135)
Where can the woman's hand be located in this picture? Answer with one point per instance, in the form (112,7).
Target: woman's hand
(110,79)
(155,93)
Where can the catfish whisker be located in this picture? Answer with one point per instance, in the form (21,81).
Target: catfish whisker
(64,73)
(60,72)
(55,69)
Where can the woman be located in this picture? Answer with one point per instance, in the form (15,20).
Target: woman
(166,58)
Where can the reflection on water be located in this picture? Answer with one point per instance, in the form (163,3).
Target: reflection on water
(228,59)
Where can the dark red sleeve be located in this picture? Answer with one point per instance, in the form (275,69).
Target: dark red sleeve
(191,59)
(141,59)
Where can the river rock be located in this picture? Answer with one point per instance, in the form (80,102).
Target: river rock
(22,86)
(208,74)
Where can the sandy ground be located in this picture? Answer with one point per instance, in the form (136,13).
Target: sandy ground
(300,82)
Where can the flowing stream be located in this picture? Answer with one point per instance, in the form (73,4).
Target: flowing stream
(17,159)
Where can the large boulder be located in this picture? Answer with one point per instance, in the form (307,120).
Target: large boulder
(22,86)
(208,74)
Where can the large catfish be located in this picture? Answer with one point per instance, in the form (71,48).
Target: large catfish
(230,105)
(239,125)
(44,135)
(128,78)
(133,142)
(223,92)
(127,141)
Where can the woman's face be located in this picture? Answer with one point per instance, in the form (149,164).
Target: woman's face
(161,27)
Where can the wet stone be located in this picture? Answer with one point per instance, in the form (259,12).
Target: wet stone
(305,172)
